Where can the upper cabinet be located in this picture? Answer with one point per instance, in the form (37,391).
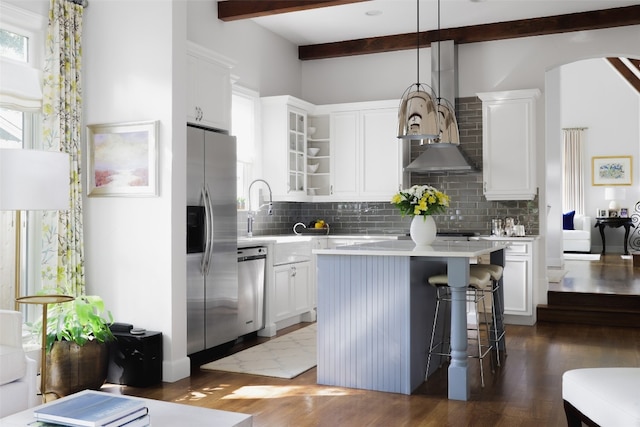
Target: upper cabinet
(366,156)
(509,144)
(284,139)
(209,88)
(332,153)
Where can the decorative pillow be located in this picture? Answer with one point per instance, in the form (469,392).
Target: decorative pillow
(567,220)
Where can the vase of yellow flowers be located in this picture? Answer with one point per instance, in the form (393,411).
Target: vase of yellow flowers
(421,202)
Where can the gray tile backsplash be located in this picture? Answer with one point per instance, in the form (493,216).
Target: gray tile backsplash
(469,209)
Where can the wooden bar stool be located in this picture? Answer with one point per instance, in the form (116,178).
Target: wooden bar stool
(478,280)
(495,271)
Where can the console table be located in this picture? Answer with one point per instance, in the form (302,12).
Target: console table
(614,222)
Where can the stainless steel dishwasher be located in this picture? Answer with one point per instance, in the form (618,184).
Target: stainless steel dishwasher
(252,264)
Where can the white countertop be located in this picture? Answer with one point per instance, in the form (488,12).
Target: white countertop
(463,249)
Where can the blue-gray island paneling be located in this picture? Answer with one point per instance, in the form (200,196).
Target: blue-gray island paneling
(375,311)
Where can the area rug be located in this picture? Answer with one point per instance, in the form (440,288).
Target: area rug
(582,257)
(284,357)
(555,275)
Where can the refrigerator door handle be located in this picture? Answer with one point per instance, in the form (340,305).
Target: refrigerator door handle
(204,196)
(210,225)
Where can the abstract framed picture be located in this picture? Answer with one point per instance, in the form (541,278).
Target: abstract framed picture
(122,159)
(611,170)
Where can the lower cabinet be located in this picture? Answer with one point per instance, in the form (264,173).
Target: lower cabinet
(517,290)
(519,279)
(292,293)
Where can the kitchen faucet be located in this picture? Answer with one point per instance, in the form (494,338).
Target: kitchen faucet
(250,213)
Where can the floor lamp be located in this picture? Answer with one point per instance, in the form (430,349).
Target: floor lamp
(33,180)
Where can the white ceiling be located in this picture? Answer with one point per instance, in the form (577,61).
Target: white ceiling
(347,22)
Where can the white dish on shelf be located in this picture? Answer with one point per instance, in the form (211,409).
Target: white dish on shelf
(312,168)
(311,130)
(312,191)
(313,151)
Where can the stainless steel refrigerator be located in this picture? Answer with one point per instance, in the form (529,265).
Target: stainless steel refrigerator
(212,268)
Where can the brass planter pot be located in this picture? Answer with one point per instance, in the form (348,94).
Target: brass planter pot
(72,368)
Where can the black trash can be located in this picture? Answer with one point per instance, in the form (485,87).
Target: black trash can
(135,359)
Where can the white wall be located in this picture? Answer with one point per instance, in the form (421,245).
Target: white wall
(595,96)
(134,70)
(266,63)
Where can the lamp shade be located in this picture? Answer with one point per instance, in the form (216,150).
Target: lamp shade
(417,116)
(33,180)
(614,195)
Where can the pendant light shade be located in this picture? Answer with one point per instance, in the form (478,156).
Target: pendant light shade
(417,116)
(423,115)
(448,124)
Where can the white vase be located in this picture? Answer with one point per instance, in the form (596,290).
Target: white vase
(422,230)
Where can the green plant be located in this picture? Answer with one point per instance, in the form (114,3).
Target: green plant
(81,320)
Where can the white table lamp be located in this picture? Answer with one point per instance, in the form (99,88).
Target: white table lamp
(32,180)
(613,194)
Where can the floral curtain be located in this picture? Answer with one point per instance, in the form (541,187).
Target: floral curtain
(62,262)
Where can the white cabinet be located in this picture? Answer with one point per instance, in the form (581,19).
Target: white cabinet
(519,279)
(291,285)
(509,144)
(366,156)
(518,285)
(358,154)
(209,88)
(284,134)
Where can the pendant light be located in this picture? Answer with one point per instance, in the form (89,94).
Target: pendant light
(447,123)
(423,116)
(418,113)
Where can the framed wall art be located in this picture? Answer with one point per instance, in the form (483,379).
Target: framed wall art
(611,170)
(122,159)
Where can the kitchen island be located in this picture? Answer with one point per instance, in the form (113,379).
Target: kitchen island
(375,312)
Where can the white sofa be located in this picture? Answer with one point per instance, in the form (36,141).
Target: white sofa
(579,239)
(18,373)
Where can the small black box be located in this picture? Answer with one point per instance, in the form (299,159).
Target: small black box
(136,360)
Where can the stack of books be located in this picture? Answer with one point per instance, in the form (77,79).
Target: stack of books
(94,409)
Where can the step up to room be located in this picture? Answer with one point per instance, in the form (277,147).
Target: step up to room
(591,309)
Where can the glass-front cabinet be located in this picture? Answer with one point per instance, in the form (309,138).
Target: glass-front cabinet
(297,146)
(284,138)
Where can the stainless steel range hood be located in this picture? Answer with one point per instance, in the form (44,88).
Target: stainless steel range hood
(442,156)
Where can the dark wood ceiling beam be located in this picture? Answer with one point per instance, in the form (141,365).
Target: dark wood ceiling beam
(608,18)
(234,10)
(626,72)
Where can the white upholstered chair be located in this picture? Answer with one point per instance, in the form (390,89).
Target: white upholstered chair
(602,397)
(18,381)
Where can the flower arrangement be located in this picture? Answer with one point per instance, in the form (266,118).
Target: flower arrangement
(420,200)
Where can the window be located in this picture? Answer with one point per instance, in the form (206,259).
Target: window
(14,46)
(245,111)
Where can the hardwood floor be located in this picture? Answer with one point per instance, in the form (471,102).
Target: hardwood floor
(611,275)
(525,391)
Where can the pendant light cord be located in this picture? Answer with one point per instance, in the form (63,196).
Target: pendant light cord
(439,92)
(418,43)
